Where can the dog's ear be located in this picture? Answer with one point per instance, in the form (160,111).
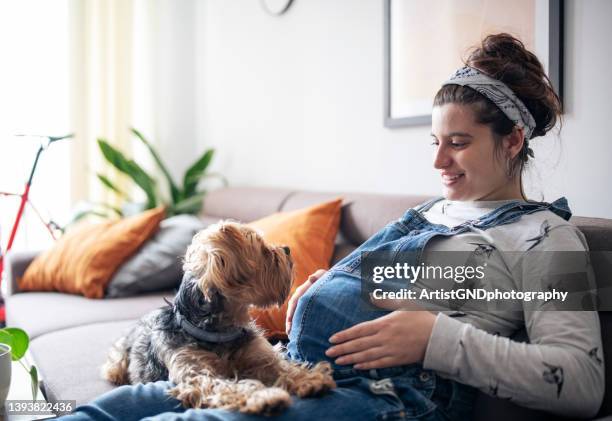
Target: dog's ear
(220,257)
(195,256)
(206,264)
(215,271)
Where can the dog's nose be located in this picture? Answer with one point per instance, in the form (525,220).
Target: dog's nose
(287,250)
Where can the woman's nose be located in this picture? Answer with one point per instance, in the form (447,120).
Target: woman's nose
(441,158)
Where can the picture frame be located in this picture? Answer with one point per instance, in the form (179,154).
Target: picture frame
(426,40)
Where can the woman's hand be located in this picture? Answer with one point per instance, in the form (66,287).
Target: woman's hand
(398,338)
(299,291)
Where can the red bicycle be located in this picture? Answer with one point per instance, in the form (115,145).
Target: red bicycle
(51,226)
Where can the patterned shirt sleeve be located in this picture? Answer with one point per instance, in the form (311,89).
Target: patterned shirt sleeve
(560,370)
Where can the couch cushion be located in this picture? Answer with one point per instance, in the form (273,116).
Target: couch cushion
(598,231)
(157,265)
(309,233)
(244,204)
(42,312)
(69,360)
(363,214)
(84,260)
(605,318)
(487,408)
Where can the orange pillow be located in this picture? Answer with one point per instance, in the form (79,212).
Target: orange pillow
(310,233)
(84,260)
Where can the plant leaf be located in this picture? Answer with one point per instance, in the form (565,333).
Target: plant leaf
(80,215)
(19,342)
(34,377)
(195,173)
(113,156)
(83,213)
(116,210)
(132,169)
(191,205)
(174,190)
(6,338)
(219,176)
(111,186)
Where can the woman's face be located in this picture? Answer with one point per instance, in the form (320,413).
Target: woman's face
(464,154)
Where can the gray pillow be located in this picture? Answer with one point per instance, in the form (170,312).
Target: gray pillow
(157,264)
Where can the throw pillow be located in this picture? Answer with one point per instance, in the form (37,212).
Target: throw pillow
(84,260)
(157,265)
(310,233)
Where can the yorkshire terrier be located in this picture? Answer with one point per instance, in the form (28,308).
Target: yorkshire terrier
(207,344)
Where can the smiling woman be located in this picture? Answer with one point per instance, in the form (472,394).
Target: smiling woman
(495,105)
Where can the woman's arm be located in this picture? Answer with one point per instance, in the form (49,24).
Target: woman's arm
(561,370)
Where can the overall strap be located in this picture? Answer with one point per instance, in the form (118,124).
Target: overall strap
(424,207)
(560,207)
(515,210)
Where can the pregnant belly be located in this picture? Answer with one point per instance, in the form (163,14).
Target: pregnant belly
(332,304)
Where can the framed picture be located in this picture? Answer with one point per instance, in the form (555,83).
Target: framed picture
(426,40)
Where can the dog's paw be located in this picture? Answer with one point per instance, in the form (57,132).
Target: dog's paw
(189,395)
(316,381)
(314,387)
(268,401)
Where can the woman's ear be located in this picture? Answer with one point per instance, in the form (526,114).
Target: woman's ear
(513,142)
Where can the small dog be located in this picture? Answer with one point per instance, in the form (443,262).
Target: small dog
(206,343)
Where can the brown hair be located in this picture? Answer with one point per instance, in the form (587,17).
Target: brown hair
(505,58)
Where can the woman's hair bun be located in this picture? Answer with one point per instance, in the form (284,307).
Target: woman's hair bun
(504,57)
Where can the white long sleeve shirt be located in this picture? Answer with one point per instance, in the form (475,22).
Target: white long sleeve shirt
(561,368)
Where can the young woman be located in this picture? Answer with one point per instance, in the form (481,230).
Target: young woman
(416,364)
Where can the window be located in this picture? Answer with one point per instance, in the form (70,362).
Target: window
(34,86)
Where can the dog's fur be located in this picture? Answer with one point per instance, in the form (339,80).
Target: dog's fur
(232,268)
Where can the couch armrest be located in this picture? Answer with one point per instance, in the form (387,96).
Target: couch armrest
(15,264)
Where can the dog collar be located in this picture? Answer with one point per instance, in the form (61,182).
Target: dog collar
(204,335)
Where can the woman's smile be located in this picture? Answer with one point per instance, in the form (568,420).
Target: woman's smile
(449,179)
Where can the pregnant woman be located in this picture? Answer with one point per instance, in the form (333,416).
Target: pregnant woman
(416,364)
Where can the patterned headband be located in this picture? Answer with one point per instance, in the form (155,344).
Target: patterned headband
(499,93)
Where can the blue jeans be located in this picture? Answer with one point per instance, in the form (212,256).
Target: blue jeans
(387,394)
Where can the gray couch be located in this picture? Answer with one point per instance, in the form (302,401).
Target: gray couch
(71,334)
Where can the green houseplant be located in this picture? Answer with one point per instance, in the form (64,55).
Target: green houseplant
(19,341)
(185,197)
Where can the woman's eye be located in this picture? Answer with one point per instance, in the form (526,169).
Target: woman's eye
(434,142)
(458,144)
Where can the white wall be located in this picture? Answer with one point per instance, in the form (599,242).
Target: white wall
(297,101)
(585,173)
(174,77)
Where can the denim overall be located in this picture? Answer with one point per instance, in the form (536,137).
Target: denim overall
(334,303)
